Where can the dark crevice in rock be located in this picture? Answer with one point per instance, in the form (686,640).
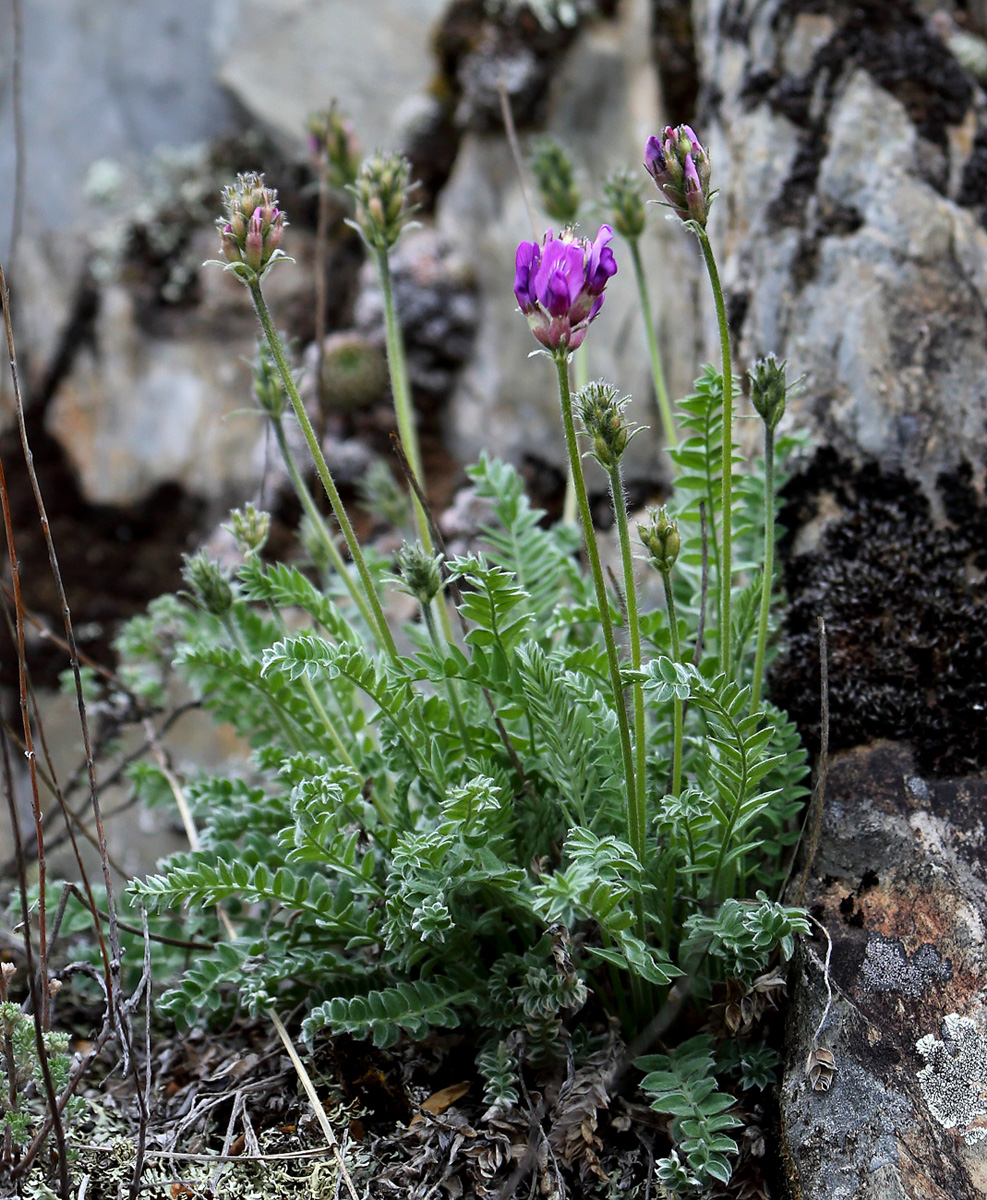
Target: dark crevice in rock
(674,50)
(907,625)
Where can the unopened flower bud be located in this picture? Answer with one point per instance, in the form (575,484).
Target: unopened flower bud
(209,583)
(382,207)
(769,389)
(419,572)
(679,165)
(602,415)
(251,229)
(556,179)
(250,527)
(267,383)
(334,146)
(661,539)
(624,197)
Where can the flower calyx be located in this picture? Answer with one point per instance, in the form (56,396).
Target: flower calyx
(602,415)
(418,572)
(559,282)
(251,229)
(623,195)
(679,165)
(382,207)
(556,178)
(769,389)
(660,537)
(334,147)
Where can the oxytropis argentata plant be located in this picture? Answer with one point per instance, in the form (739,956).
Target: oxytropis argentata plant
(575,794)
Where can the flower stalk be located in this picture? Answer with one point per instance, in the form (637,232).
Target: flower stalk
(726,474)
(635,813)
(379,622)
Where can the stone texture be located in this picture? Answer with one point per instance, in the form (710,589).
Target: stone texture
(602,106)
(898,882)
(283,59)
(848,243)
(141,408)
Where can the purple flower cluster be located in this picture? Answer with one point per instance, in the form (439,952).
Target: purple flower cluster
(679,165)
(559,285)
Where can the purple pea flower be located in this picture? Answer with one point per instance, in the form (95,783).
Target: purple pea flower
(679,165)
(559,285)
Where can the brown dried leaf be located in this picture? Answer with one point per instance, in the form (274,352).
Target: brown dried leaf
(820,1066)
(439,1101)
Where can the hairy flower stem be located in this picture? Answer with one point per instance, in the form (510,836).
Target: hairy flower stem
(635,816)
(673,629)
(769,563)
(657,370)
(397,365)
(580,365)
(634,637)
(726,545)
(384,635)
(307,502)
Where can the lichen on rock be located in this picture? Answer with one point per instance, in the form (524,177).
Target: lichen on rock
(954,1079)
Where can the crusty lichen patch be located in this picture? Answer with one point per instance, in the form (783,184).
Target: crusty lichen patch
(954,1078)
(887,967)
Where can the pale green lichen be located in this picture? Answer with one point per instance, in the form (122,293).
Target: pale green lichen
(954,1079)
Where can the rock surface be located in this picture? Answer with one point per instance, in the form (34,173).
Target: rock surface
(899,884)
(285,59)
(845,142)
(602,106)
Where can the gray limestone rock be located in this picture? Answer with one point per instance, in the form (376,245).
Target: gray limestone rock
(898,883)
(841,139)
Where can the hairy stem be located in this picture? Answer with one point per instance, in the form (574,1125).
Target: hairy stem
(657,370)
(307,502)
(322,467)
(634,637)
(726,546)
(673,629)
(769,563)
(635,819)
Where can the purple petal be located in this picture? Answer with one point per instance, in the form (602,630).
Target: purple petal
(692,183)
(525,264)
(559,279)
(602,264)
(691,135)
(654,156)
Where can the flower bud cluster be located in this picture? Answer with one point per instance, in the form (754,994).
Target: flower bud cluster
(602,415)
(381,191)
(769,389)
(268,386)
(623,195)
(250,527)
(208,582)
(553,171)
(420,573)
(661,539)
(679,165)
(334,146)
(252,228)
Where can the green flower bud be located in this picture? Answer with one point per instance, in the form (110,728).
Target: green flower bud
(419,573)
(556,179)
(250,527)
(209,583)
(769,389)
(267,384)
(623,194)
(334,146)
(602,415)
(382,207)
(661,539)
